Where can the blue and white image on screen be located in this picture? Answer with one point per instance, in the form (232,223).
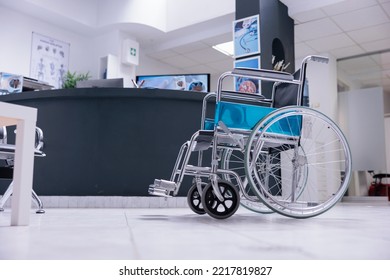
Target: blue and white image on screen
(177,82)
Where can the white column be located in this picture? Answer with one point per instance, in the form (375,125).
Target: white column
(322,79)
(323,87)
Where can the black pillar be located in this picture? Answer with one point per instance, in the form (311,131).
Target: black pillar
(276,33)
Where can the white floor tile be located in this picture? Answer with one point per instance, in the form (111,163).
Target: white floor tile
(347,231)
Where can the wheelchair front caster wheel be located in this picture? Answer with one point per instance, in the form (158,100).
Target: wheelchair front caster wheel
(194,200)
(221,209)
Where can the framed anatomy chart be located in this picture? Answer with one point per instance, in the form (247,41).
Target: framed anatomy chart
(49,59)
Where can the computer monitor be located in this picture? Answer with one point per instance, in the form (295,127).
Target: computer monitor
(187,82)
(101,83)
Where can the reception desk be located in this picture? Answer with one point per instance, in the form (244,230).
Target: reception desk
(108,142)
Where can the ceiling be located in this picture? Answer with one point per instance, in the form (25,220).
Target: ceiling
(348,30)
(355,32)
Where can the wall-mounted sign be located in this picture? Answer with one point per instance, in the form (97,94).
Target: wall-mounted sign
(186,82)
(130,52)
(49,59)
(246,36)
(245,84)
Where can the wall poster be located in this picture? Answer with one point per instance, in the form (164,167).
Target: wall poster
(246,36)
(245,84)
(49,59)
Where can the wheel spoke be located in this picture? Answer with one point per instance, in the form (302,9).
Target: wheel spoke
(234,160)
(298,177)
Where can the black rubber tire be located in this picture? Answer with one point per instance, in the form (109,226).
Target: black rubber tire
(221,209)
(194,200)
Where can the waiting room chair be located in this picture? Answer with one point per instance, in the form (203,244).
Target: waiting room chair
(7,155)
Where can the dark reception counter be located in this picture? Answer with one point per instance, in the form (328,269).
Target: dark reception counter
(108,142)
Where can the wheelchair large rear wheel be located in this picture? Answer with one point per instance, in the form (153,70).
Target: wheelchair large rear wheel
(233,159)
(298,162)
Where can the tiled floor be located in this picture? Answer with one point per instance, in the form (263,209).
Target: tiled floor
(347,231)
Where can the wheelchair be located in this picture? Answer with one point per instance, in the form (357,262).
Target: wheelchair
(268,155)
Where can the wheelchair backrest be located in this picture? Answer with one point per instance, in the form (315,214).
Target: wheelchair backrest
(286,94)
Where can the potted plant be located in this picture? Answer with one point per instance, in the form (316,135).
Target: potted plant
(71,79)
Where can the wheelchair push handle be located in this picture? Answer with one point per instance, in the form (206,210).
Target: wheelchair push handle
(316,58)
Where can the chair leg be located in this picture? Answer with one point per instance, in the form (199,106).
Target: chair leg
(6,195)
(9,192)
(38,202)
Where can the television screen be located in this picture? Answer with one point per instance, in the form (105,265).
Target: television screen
(190,82)
(101,83)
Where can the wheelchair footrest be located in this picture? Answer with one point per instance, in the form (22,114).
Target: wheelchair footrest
(162,188)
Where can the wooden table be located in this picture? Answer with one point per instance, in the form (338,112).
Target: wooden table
(25,119)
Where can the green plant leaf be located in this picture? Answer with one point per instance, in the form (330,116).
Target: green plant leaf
(71,79)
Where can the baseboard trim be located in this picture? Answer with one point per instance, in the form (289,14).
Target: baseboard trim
(366,199)
(109,202)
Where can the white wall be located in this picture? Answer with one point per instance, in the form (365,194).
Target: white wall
(184,13)
(85,52)
(165,15)
(16,33)
(84,11)
(111,43)
(387,133)
(149,12)
(386,102)
(322,79)
(149,66)
(362,111)
(100,46)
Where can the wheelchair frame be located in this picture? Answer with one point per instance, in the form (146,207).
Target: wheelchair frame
(277,132)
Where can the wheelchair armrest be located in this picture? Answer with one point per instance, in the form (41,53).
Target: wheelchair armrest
(226,94)
(243,97)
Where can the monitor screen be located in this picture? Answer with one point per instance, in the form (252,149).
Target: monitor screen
(101,83)
(189,82)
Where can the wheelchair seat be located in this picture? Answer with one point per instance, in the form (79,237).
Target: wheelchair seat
(239,115)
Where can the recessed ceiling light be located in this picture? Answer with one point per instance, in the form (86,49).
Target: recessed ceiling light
(225,48)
